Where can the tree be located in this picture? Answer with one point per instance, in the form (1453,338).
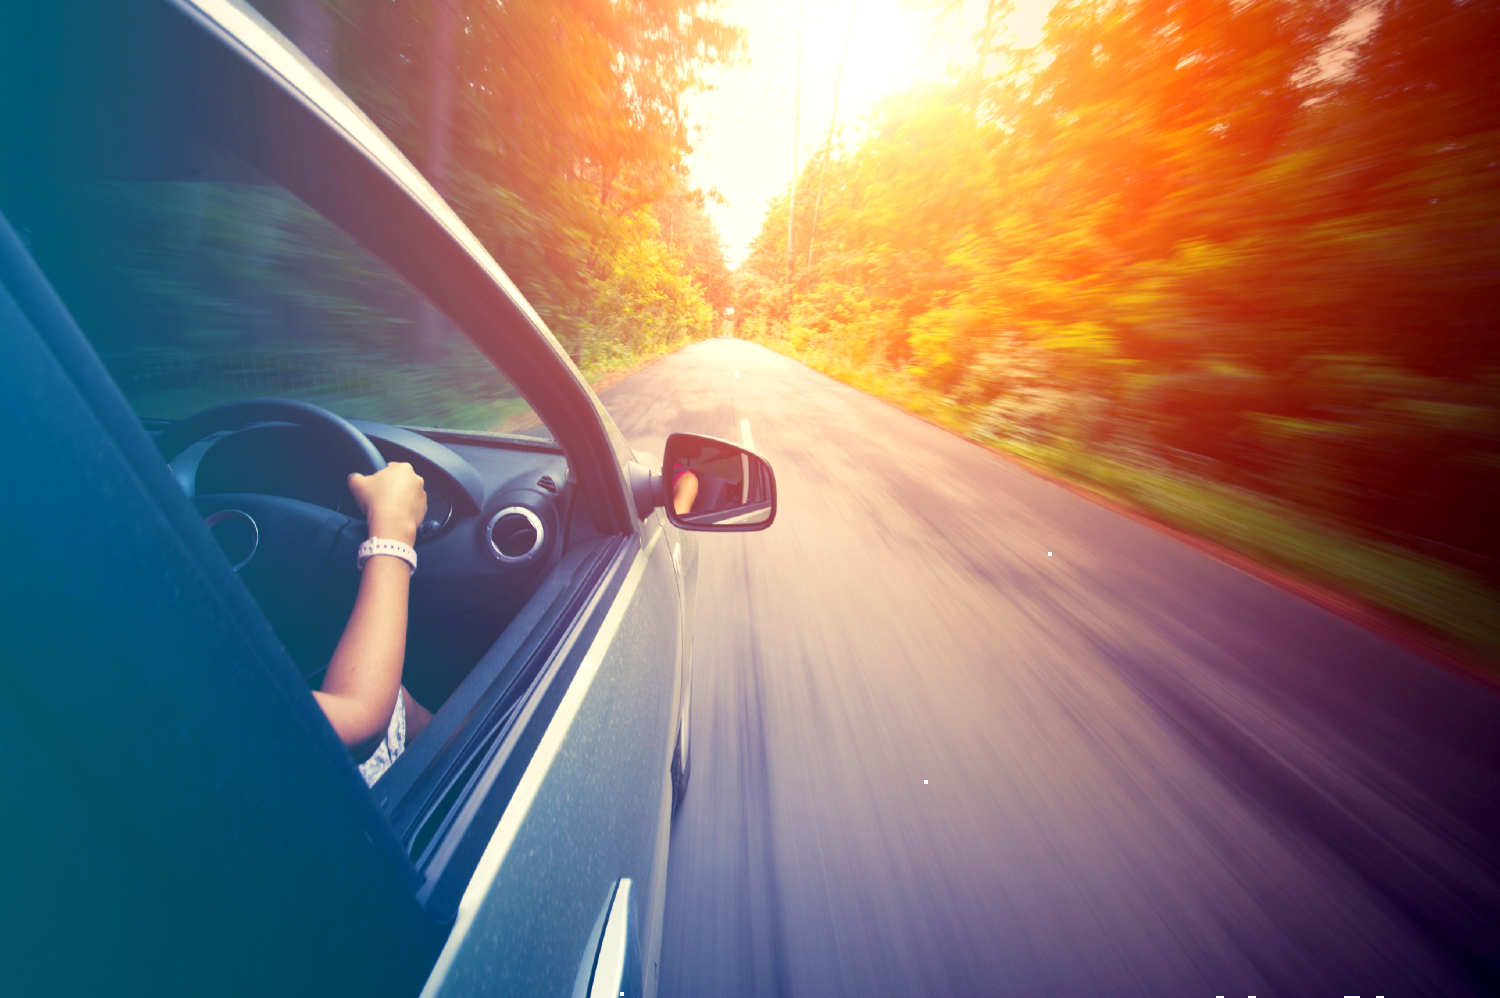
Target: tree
(692,235)
(1250,238)
(550,126)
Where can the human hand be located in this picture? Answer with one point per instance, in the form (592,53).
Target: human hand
(684,492)
(393,501)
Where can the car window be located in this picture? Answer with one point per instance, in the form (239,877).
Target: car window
(200,281)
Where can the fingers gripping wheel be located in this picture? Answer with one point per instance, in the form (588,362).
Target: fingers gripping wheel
(303,596)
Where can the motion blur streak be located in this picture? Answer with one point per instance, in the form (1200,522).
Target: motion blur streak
(1235,261)
(1149,774)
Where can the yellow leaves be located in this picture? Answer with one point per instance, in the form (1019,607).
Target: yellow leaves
(943,341)
(932,354)
(1144,301)
(1089,340)
(1165,244)
(1199,256)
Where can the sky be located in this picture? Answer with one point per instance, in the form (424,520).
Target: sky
(744,148)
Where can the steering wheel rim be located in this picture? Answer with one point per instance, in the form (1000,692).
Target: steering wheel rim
(300,546)
(331,429)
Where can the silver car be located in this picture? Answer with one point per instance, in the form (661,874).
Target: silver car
(221,291)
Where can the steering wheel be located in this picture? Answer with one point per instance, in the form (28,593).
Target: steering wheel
(296,558)
(329,429)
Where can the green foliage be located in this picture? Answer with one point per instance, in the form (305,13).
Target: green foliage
(691,235)
(555,130)
(1182,237)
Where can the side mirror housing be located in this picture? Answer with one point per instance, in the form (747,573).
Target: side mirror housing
(714,485)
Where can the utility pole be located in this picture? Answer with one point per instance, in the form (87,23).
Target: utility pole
(828,142)
(791,214)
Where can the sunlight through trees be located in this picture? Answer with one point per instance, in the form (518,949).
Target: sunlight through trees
(555,131)
(1254,241)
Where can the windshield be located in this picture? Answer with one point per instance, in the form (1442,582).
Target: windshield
(200,281)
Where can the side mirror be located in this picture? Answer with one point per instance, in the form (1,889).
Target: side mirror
(712,484)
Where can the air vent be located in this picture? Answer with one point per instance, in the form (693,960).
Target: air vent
(516,535)
(546,482)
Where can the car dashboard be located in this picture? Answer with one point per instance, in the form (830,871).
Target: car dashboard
(499,513)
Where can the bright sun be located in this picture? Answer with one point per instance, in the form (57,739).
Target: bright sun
(745,147)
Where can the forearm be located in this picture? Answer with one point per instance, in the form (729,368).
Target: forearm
(359,689)
(684,493)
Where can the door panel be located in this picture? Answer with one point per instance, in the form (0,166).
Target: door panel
(591,809)
(617,961)
(166,719)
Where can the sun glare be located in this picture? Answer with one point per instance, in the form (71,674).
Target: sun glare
(744,147)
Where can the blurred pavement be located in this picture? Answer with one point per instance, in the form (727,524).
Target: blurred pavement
(930,758)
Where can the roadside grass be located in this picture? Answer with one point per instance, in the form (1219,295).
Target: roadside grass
(604,368)
(1453,608)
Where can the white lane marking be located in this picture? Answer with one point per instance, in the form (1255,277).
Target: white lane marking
(1049,554)
(736,374)
(536,771)
(745,437)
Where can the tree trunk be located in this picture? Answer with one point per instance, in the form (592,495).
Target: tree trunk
(812,232)
(986,40)
(791,213)
(440,96)
(440,92)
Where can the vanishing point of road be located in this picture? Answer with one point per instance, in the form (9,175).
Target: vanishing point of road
(959,731)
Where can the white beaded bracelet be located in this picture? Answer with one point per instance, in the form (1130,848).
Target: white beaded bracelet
(396,549)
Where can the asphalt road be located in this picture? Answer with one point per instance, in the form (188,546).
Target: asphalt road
(958,731)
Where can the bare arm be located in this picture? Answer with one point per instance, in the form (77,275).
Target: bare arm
(684,492)
(364,676)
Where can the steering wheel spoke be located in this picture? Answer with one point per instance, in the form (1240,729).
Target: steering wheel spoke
(297,558)
(286,551)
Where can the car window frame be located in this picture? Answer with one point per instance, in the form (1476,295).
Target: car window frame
(306,135)
(206,66)
(245,86)
(172,608)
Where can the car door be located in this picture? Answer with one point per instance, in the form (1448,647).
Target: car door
(182,819)
(591,808)
(575,799)
(237,834)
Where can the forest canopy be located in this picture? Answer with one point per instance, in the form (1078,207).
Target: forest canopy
(555,129)
(1253,240)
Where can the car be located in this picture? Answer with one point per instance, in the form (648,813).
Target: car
(222,290)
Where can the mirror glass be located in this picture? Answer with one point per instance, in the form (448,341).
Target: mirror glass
(713,484)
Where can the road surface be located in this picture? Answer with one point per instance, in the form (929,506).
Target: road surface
(959,731)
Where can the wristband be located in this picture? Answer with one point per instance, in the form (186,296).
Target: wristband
(379,545)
